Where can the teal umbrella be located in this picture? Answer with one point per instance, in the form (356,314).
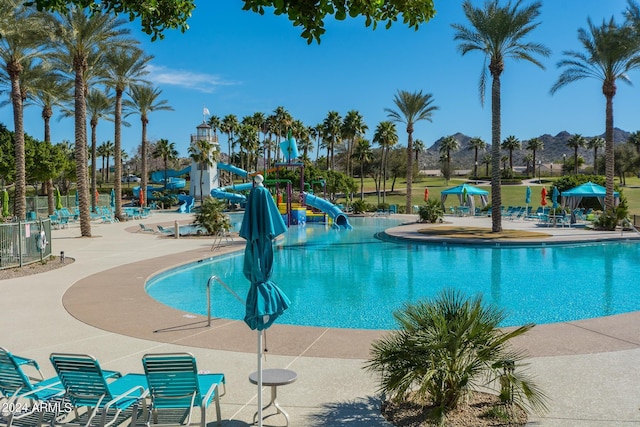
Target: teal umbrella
(112,198)
(261,224)
(5,203)
(58,199)
(554,197)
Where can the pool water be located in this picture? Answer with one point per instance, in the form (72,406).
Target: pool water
(350,279)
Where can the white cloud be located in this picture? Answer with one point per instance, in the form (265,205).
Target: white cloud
(200,82)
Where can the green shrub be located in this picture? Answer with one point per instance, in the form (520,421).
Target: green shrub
(431,212)
(359,206)
(447,347)
(211,216)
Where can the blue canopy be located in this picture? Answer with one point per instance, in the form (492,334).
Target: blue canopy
(572,198)
(465,193)
(261,224)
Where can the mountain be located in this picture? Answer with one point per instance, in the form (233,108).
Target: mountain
(554,148)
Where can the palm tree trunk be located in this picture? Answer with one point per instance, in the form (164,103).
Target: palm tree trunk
(496,196)
(408,203)
(143,168)
(609,155)
(94,161)
(20,209)
(117,156)
(81,149)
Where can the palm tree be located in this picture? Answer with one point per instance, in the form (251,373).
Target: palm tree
(145,100)
(78,38)
(214,122)
(99,106)
(575,142)
(447,145)
(385,136)
(534,145)
(331,127)
(229,125)
(282,122)
(487,160)
(596,144)
(610,52)
(498,33)
(476,144)
(166,151)
(528,160)
(511,143)
(412,108)
(21,42)
(353,127)
(317,133)
(124,67)
(634,139)
(106,151)
(418,147)
(362,153)
(203,154)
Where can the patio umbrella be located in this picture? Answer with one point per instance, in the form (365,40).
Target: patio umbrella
(58,199)
(527,198)
(112,198)
(5,203)
(261,223)
(77,202)
(543,193)
(141,198)
(554,197)
(426,194)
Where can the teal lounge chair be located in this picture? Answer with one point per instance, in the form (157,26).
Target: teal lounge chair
(166,231)
(175,388)
(146,229)
(85,385)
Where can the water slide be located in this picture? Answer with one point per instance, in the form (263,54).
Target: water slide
(186,203)
(339,218)
(173,182)
(223,192)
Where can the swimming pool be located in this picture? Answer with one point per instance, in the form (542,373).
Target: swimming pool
(350,279)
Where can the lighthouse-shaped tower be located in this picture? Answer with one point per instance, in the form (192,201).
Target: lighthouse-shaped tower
(200,171)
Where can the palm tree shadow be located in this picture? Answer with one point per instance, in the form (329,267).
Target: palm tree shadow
(360,412)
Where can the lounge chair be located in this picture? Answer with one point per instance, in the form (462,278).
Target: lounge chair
(176,387)
(166,231)
(85,385)
(147,229)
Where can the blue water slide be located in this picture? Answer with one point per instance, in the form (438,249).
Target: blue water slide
(150,190)
(339,218)
(223,192)
(186,203)
(230,168)
(157,177)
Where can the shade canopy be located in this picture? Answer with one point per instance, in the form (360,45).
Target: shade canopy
(465,193)
(572,198)
(261,224)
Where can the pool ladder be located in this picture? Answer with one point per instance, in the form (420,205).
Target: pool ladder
(224,285)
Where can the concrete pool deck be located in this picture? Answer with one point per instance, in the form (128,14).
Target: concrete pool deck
(97,305)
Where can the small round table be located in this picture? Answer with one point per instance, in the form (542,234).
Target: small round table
(274,378)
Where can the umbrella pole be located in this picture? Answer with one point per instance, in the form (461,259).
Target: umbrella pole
(259,378)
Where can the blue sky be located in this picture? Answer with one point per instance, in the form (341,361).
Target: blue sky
(237,62)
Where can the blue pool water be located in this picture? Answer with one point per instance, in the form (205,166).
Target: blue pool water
(350,279)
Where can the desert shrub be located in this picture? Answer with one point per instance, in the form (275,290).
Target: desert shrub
(211,216)
(431,212)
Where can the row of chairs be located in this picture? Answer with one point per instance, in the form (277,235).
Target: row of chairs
(82,393)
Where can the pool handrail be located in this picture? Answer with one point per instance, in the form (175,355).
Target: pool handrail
(224,285)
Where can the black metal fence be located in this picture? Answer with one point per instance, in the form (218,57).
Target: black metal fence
(24,242)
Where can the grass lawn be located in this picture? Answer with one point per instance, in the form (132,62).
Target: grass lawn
(512,195)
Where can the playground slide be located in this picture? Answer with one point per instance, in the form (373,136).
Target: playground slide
(222,192)
(173,182)
(339,218)
(230,168)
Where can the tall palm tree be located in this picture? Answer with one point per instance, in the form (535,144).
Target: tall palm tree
(596,144)
(498,32)
(534,145)
(386,136)
(144,101)
(283,121)
(204,154)
(21,41)
(331,130)
(362,152)
(418,147)
(575,142)
(214,122)
(230,125)
(78,38)
(476,144)
(353,127)
(412,107)
(166,151)
(317,134)
(99,105)
(447,145)
(123,68)
(610,52)
(510,144)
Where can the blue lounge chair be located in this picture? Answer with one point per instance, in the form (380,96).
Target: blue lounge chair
(175,386)
(166,231)
(85,385)
(146,229)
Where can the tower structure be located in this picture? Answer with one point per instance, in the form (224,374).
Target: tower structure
(203,139)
